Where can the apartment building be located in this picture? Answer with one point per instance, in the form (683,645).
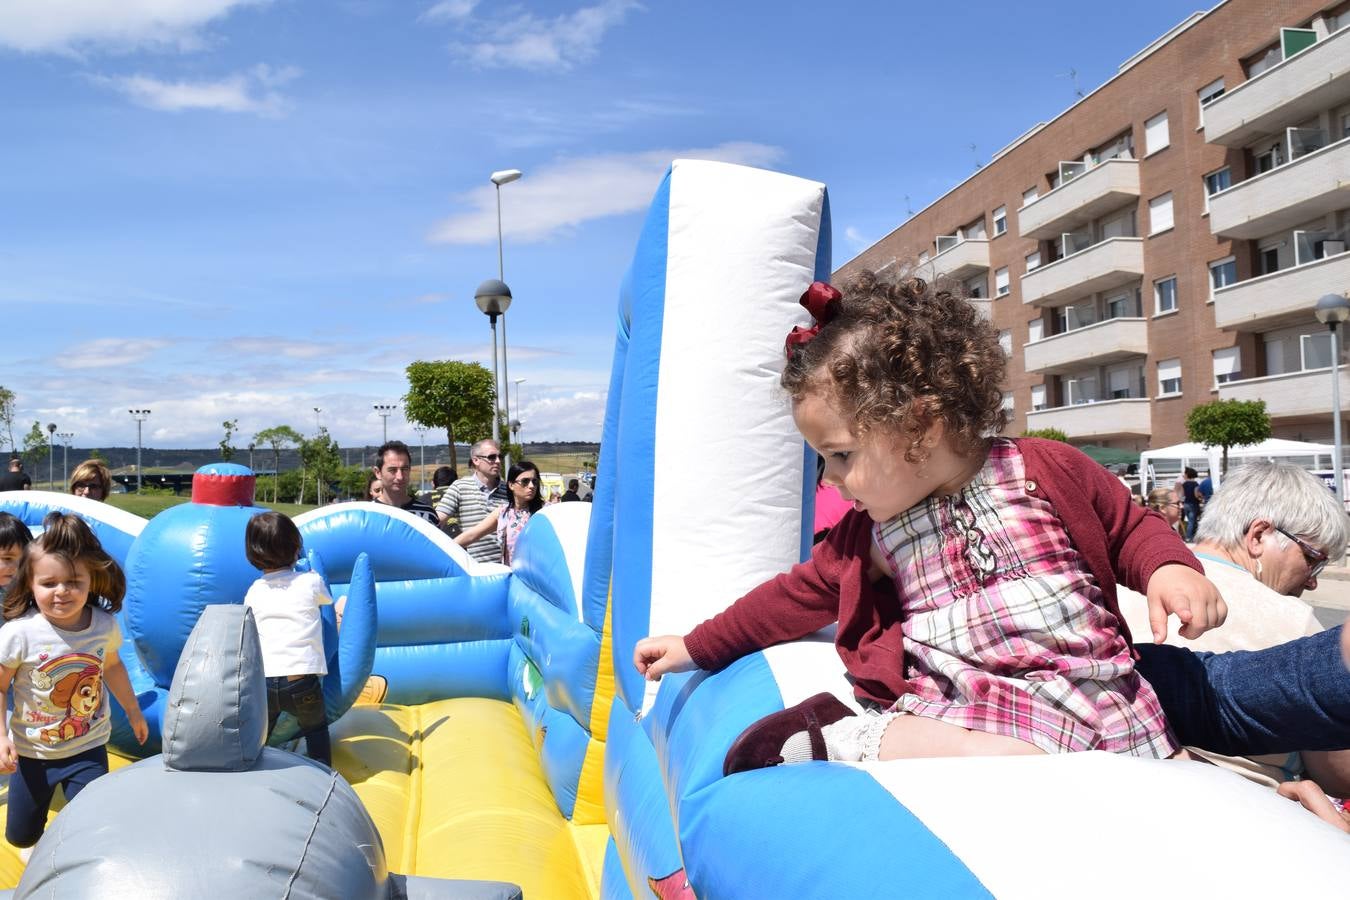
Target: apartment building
(1163,242)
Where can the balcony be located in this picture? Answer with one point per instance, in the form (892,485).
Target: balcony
(1312,185)
(1098,421)
(1292,395)
(1105,265)
(1103,343)
(1280,298)
(1099,190)
(1298,88)
(962,260)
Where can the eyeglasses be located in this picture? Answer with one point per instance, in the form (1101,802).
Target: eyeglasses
(1316,559)
(491,457)
(526,482)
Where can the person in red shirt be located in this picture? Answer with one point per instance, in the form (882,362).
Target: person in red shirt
(974,578)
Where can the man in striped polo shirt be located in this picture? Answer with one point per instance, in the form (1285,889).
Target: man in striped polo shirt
(476,500)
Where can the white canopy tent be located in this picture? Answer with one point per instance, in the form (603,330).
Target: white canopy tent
(1163,466)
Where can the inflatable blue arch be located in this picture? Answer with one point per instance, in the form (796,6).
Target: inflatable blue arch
(517,743)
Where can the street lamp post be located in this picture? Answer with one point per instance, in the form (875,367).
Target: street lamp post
(384,409)
(494,298)
(1332,310)
(505,176)
(51,454)
(140,415)
(317,424)
(65,437)
(422,456)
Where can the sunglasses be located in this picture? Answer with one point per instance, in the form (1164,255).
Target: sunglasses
(526,482)
(1316,559)
(491,457)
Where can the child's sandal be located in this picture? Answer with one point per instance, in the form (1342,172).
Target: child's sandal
(761,745)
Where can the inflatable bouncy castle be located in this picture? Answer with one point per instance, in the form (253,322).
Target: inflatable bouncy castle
(517,743)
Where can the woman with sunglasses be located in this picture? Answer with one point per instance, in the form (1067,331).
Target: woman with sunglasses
(1265,537)
(522,479)
(91,479)
(1164,501)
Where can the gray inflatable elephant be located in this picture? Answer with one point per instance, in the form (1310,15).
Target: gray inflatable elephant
(218,814)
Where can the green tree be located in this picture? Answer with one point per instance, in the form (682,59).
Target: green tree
(97,454)
(450,394)
(226,448)
(1228,423)
(7,415)
(1050,434)
(278,437)
(35,445)
(322,461)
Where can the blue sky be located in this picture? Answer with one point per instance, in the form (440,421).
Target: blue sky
(244,209)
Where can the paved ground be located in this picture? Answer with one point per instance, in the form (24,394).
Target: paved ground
(1331,600)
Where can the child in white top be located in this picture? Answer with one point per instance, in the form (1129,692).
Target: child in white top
(285,605)
(58,650)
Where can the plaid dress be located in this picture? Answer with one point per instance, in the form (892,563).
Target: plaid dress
(1004,627)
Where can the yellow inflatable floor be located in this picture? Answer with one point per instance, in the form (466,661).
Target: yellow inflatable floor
(456,791)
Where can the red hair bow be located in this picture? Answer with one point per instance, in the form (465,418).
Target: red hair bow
(822,302)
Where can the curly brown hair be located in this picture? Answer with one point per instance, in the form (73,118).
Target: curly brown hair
(69,539)
(901,355)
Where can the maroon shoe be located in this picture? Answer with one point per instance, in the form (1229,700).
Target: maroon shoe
(761,745)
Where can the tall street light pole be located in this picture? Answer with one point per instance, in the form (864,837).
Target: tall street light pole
(422,457)
(494,298)
(384,409)
(65,437)
(140,415)
(317,425)
(1332,310)
(505,176)
(51,455)
(515,422)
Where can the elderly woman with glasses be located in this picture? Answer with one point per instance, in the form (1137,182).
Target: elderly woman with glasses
(522,479)
(1265,537)
(91,479)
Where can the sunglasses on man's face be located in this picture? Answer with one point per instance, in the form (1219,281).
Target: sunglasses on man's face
(1316,559)
(491,457)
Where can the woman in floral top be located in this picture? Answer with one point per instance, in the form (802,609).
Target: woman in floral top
(522,479)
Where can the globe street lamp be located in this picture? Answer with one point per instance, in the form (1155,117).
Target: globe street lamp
(384,409)
(494,298)
(65,437)
(51,454)
(505,176)
(515,433)
(421,457)
(1332,310)
(140,415)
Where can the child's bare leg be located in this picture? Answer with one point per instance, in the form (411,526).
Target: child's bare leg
(916,737)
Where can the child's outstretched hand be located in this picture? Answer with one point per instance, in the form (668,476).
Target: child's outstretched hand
(1181,591)
(656,656)
(139,728)
(9,757)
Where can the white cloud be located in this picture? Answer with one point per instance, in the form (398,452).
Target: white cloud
(278,347)
(107,352)
(529,42)
(254,91)
(572,191)
(70,26)
(855,238)
(449,11)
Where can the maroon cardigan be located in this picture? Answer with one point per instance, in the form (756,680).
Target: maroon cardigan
(1120,542)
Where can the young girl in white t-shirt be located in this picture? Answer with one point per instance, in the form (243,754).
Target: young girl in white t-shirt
(58,649)
(285,605)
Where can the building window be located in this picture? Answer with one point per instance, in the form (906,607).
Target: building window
(1315,350)
(1008,402)
(1222,273)
(1160,213)
(1169,377)
(1221,180)
(1227,365)
(1209,93)
(1000,220)
(1001,287)
(1005,341)
(1165,295)
(1156,136)
(1038,397)
(1029,196)
(1033,260)
(924,257)
(977,287)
